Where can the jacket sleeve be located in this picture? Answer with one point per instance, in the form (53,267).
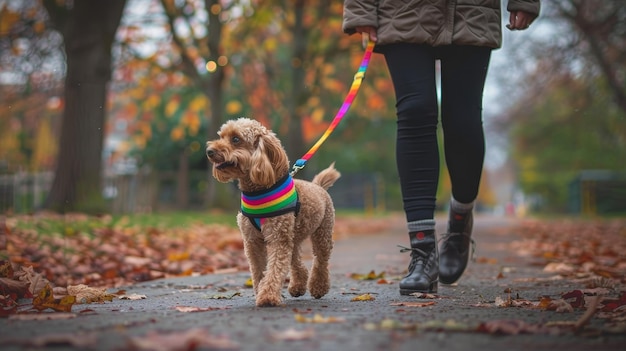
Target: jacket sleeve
(530,6)
(359,13)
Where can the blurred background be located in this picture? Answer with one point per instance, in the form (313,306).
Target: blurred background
(106,106)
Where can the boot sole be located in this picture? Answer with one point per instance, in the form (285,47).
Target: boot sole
(431,289)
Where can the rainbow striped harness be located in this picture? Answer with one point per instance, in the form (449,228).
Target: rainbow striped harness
(279,199)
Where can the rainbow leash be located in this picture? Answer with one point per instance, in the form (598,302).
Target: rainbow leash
(356,83)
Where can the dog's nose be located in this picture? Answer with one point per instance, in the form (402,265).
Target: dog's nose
(210,152)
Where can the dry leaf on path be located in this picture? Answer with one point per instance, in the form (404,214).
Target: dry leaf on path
(45,299)
(292,334)
(8,306)
(132,297)
(85,294)
(421,295)
(510,327)
(35,280)
(183,340)
(363,297)
(6,269)
(390,324)
(198,309)
(13,287)
(449,325)
(317,318)
(225,297)
(413,304)
(370,276)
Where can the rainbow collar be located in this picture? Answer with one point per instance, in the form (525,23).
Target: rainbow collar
(279,199)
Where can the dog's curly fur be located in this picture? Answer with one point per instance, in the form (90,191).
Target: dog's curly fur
(251,154)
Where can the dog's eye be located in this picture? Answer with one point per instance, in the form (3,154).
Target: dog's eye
(235,140)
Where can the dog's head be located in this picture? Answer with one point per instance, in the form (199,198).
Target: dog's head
(247,151)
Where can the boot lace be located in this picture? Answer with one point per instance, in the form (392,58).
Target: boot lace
(417,255)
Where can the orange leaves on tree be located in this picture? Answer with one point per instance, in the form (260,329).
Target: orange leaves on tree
(8,19)
(177,133)
(45,299)
(191,120)
(172,107)
(233,107)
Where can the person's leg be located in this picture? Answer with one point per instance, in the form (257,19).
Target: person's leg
(412,70)
(463,73)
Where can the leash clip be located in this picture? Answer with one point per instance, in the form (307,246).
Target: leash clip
(297,166)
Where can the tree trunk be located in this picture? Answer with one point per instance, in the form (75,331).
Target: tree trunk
(88,29)
(294,142)
(213,90)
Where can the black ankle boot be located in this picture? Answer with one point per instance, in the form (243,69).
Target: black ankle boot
(423,269)
(454,252)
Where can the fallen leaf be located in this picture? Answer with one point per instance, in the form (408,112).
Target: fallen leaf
(132,297)
(13,287)
(390,324)
(560,305)
(36,281)
(292,334)
(8,305)
(575,298)
(197,309)
(6,269)
(370,276)
(363,297)
(317,318)
(609,304)
(509,327)
(84,294)
(447,325)
(45,299)
(413,304)
(225,297)
(486,260)
(421,295)
(183,340)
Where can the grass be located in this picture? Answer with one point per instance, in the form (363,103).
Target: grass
(72,224)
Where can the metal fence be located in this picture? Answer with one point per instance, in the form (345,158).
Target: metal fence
(148,192)
(23,192)
(597,192)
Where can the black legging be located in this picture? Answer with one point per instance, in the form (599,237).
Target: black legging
(463,73)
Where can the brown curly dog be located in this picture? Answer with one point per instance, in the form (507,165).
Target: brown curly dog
(277,212)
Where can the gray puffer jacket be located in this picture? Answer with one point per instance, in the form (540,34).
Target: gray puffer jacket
(433,22)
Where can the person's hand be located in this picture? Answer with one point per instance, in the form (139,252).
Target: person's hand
(520,20)
(367,33)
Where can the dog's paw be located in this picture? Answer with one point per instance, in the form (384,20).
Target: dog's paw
(267,301)
(297,290)
(319,287)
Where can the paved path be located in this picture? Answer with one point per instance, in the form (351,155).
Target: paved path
(449,323)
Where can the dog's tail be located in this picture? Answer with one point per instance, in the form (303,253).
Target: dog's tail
(327,177)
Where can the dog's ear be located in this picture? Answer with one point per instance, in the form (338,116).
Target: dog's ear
(266,159)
